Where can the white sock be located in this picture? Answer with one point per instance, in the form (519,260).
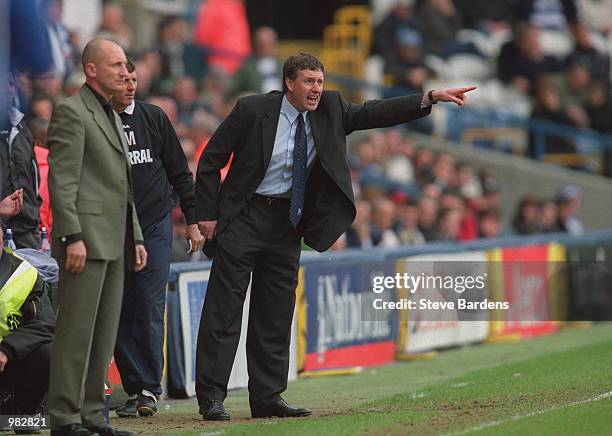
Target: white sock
(149,394)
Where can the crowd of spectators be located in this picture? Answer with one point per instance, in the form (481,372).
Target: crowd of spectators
(554,54)
(404,195)
(410,196)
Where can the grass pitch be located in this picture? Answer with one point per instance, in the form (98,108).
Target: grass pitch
(560,384)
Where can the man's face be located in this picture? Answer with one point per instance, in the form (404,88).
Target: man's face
(304,93)
(110,69)
(125,98)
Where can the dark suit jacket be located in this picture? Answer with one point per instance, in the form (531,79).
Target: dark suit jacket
(249,132)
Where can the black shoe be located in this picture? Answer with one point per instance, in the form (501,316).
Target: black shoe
(147,406)
(278,408)
(129,409)
(107,430)
(214,411)
(73,430)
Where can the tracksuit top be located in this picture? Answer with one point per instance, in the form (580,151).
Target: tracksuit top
(159,167)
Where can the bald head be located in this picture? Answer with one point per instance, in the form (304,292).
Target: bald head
(105,66)
(93,51)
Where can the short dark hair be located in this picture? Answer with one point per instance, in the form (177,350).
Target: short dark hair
(299,62)
(131,67)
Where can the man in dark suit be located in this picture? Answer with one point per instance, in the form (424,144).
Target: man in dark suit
(289,180)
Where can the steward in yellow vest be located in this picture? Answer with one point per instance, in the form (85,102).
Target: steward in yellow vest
(27,322)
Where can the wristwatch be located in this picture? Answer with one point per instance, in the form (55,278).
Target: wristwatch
(430,97)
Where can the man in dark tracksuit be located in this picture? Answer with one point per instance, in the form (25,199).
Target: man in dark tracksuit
(19,170)
(160,172)
(27,322)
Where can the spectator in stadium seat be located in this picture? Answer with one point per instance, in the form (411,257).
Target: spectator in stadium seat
(548,108)
(409,233)
(597,63)
(438,22)
(262,71)
(185,95)
(599,107)
(114,27)
(573,90)
(384,42)
(485,15)
(254,222)
(559,15)
(449,225)
(549,217)
(27,322)
(384,216)
(527,220)
(489,224)
(41,106)
(60,43)
(408,68)
(521,61)
(568,201)
(428,217)
(361,233)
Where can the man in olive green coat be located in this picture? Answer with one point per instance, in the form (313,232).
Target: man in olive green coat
(95,232)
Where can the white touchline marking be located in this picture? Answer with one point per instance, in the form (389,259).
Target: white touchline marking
(604,396)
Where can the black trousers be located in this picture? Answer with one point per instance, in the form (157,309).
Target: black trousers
(28,378)
(260,241)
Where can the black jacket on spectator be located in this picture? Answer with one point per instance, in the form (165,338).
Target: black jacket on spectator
(159,167)
(20,170)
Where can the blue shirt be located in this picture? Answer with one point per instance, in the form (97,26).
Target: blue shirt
(279,175)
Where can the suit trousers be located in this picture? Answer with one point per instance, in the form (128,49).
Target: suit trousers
(139,352)
(87,321)
(260,242)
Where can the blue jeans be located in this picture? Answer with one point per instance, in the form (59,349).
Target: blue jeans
(139,350)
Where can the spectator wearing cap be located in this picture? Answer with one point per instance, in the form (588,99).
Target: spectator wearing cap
(568,201)
(408,66)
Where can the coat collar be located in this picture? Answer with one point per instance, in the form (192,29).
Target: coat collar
(269,125)
(93,105)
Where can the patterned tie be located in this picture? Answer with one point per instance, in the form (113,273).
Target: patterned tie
(299,173)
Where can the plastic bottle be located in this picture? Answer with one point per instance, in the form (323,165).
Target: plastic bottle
(108,391)
(44,245)
(9,240)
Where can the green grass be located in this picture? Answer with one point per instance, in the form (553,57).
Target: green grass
(460,390)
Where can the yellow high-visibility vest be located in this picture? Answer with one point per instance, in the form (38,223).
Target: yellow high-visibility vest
(13,294)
